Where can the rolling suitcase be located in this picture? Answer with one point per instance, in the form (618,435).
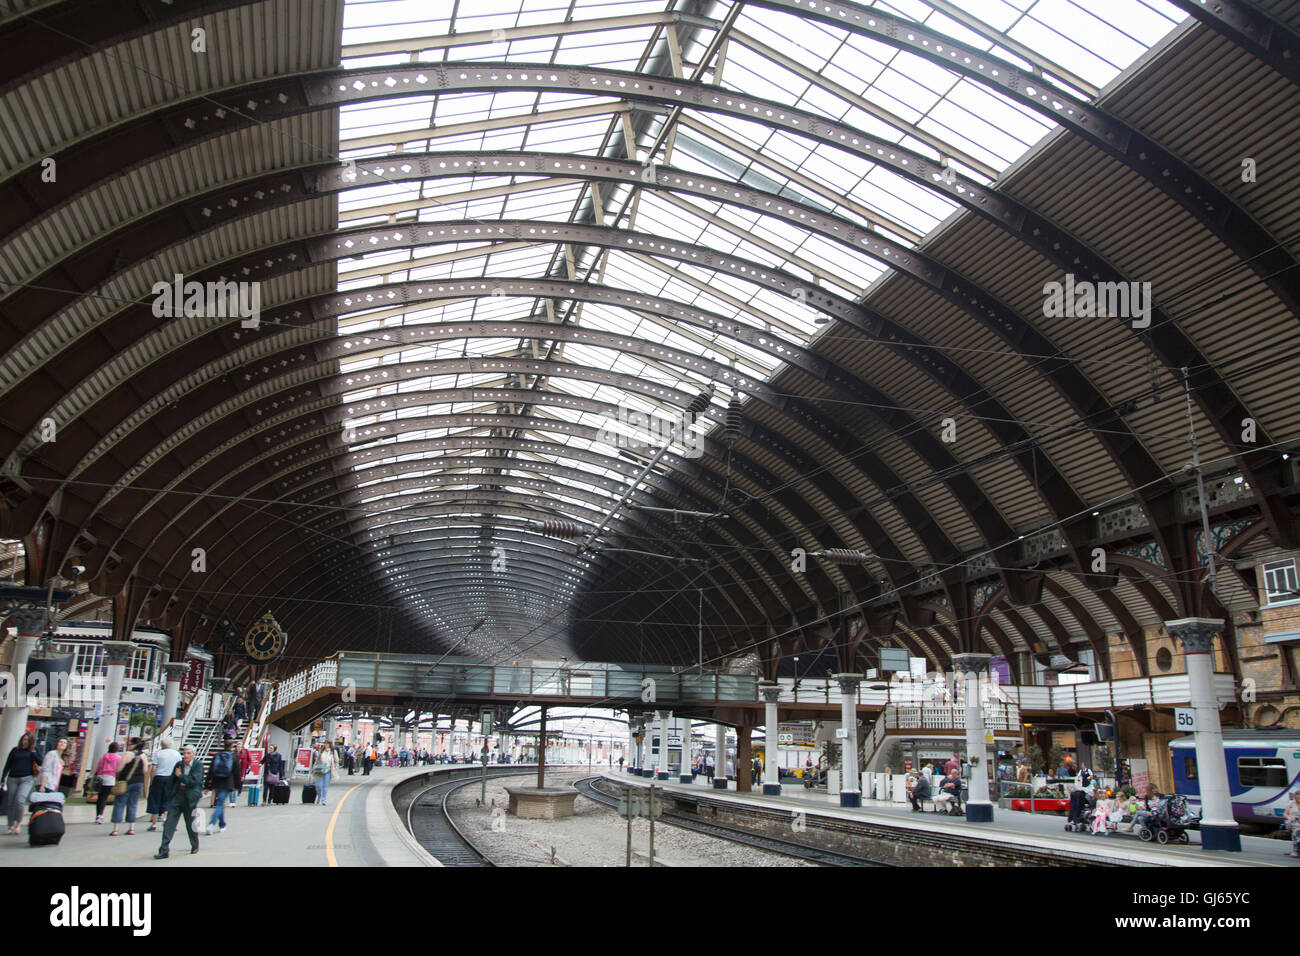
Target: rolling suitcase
(280,792)
(46,827)
(309,793)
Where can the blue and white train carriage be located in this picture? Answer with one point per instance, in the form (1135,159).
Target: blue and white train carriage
(1263,769)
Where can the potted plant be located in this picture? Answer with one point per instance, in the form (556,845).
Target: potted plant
(1013,791)
(1055,757)
(894,758)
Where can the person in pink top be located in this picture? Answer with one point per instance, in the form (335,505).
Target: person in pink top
(106,777)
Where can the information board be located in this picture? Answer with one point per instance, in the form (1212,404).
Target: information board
(894,659)
(795,734)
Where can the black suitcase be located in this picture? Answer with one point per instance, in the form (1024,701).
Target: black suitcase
(309,793)
(280,793)
(46,826)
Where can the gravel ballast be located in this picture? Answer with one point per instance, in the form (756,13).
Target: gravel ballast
(593,836)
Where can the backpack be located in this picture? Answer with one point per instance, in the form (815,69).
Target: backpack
(223,764)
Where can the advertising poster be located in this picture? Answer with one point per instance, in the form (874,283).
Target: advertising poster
(304,759)
(193,678)
(1141,776)
(255,755)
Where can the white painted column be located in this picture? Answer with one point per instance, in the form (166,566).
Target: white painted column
(1219,830)
(175,673)
(219,685)
(850,782)
(665,721)
(771,693)
(629,762)
(972,668)
(685,774)
(720,757)
(30,622)
(117,654)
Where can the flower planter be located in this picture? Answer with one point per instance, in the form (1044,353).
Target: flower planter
(1041,804)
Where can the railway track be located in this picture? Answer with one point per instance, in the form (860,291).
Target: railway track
(587,787)
(429,821)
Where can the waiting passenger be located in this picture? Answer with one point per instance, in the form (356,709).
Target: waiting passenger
(1292,819)
(920,792)
(1150,804)
(949,795)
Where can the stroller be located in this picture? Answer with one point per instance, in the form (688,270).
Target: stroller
(1079,819)
(1169,822)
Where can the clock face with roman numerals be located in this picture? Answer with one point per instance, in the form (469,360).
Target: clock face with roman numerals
(264,641)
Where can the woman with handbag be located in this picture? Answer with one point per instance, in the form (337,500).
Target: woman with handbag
(322,769)
(272,771)
(106,778)
(129,786)
(20,772)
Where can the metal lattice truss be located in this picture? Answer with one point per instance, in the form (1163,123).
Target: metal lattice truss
(486,239)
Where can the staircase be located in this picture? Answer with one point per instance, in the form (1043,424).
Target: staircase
(205,736)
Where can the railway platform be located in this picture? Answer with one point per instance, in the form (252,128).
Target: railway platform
(1043,833)
(359,827)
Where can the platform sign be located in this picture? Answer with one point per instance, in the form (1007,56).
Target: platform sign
(798,734)
(1184,719)
(485,718)
(894,659)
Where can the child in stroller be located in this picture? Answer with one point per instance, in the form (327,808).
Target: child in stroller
(1168,823)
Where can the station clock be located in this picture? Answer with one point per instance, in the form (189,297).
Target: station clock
(265,641)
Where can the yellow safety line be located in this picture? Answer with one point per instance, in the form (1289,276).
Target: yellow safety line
(329,833)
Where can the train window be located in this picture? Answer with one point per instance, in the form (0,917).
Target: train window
(1262,772)
(1189,767)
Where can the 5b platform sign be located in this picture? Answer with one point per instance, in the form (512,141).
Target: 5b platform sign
(1184,719)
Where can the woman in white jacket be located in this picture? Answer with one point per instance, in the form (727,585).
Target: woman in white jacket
(52,767)
(322,770)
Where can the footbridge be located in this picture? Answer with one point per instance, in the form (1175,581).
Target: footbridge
(360,680)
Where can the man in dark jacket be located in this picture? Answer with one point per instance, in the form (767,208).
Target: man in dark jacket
(184,788)
(920,792)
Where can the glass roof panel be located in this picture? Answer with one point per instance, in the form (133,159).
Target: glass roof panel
(890,94)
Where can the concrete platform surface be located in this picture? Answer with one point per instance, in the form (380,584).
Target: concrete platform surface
(1044,831)
(357,828)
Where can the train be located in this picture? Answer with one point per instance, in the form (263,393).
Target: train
(1263,769)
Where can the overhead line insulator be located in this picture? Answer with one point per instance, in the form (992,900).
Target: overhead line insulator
(733,421)
(844,556)
(561,528)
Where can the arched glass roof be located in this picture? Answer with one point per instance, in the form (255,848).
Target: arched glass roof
(753,50)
